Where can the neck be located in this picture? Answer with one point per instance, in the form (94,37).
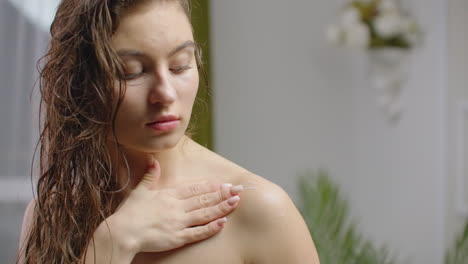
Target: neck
(135,164)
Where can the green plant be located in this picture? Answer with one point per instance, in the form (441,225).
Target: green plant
(336,238)
(458,254)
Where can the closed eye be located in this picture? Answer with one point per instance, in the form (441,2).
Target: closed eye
(182,69)
(132,76)
(133,69)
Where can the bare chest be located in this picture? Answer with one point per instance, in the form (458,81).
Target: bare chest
(219,249)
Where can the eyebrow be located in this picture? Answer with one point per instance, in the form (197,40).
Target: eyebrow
(136,53)
(186,44)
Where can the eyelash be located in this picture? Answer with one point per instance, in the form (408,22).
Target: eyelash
(178,70)
(128,77)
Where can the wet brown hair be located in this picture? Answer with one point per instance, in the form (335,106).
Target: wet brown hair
(77,190)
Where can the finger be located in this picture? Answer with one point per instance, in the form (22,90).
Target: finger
(151,177)
(198,233)
(191,190)
(226,190)
(236,190)
(204,200)
(208,214)
(211,199)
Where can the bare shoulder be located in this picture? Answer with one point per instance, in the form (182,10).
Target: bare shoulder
(27,219)
(260,197)
(266,227)
(262,201)
(27,222)
(270,228)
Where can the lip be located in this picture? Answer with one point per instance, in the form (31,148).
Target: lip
(164,123)
(164,118)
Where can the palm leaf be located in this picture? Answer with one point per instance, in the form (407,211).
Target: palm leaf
(337,238)
(326,213)
(458,254)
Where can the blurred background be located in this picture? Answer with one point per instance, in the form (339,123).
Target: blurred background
(283,101)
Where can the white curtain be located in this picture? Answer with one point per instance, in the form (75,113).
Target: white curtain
(24,34)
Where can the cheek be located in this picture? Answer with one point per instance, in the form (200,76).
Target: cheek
(119,94)
(129,103)
(132,106)
(192,87)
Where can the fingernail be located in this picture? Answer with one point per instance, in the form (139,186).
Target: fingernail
(153,164)
(233,200)
(237,189)
(227,185)
(222,221)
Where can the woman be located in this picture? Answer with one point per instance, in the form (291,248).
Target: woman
(120,179)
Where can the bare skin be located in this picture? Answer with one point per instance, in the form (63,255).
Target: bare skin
(155,219)
(265,228)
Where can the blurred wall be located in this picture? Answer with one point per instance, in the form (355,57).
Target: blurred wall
(22,43)
(457,93)
(285,101)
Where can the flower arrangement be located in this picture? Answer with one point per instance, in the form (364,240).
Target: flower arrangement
(373,24)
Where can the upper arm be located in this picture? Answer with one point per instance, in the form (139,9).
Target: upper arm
(275,230)
(27,221)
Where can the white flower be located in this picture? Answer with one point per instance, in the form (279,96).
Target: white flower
(334,34)
(356,35)
(388,6)
(351,15)
(387,22)
(389,25)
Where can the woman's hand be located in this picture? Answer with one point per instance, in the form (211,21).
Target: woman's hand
(152,220)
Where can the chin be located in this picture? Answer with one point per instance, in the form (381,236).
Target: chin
(160,143)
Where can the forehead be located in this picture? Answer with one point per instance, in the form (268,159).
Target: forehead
(159,25)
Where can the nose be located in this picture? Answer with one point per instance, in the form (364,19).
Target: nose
(162,90)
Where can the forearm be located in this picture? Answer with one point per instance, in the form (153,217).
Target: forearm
(105,248)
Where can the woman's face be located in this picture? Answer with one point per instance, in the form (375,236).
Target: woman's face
(155,43)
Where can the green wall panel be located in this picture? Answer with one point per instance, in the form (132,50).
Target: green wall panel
(202,116)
